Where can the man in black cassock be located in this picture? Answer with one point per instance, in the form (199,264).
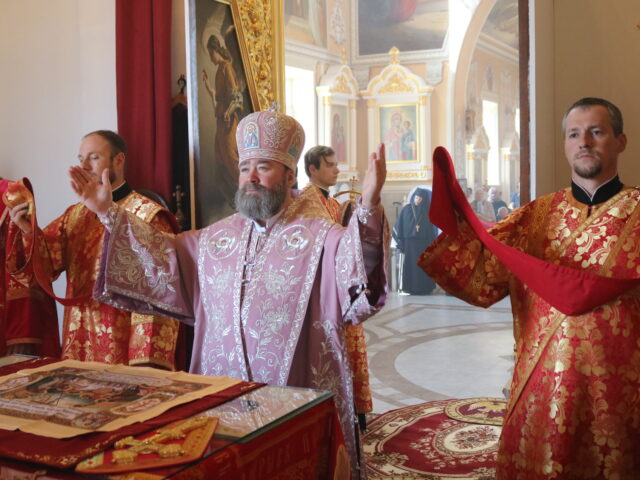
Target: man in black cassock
(413,232)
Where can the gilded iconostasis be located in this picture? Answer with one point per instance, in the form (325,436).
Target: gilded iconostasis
(401,73)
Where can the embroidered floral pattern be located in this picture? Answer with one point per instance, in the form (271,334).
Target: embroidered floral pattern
(576,379)
(223,244)
(280,283)
(295,242)
(94,330)
(252,294)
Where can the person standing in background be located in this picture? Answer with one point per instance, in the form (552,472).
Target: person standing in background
(413,232)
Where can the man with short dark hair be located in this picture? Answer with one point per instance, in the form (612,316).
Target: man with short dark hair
(321,166)
(269,290)
(94,331)
(573,411)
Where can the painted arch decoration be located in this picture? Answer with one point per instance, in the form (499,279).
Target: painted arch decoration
(338,93)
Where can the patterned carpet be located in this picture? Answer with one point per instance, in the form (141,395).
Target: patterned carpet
(437,440)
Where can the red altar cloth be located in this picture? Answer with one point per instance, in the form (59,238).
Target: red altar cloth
(64,453)
(309,446)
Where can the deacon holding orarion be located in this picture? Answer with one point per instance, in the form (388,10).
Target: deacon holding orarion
(570,261)
(72,243)
(270,289)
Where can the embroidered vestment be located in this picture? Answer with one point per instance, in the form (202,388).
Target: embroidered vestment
(354,333)
(271,307)
(94,331)
(27,313)
(574,410)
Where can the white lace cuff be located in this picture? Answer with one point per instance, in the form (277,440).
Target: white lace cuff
(109,218)
(364,213)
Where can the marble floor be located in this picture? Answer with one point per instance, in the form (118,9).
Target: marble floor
(433,347)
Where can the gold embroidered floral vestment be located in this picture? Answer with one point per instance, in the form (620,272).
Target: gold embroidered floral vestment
(94,331)
(574,410)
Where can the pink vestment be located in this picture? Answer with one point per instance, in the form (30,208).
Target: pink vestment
(268,307)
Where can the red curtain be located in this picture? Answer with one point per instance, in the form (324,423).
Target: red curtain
(143,82)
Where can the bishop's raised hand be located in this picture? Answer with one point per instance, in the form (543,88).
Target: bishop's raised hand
(374,178)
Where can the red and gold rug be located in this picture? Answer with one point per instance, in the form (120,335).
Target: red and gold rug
(423,441)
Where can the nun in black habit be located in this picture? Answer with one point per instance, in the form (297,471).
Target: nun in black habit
(413,233)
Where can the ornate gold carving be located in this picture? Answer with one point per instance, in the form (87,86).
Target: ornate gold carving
(352,104)
(259,40)
(341,85)
(371,103)
(326,100)
(124,456)
(423,100)
(396,83)
(394,52)
(352,189)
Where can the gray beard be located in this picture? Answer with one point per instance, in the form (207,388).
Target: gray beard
(263,205)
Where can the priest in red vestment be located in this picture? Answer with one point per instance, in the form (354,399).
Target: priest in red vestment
(574,408)
(321,166)
(28,316)
(94,331)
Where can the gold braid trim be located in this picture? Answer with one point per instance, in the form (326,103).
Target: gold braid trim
(141,206)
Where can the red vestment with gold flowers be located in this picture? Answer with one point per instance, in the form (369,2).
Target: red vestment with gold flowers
(574,409)
(27,314)
(94,331)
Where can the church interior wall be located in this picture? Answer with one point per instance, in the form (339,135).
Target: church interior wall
(605,64)
(298,33)
(544,132)
(178,44)
(73,79)
(312,24)
(440,109)
(440,119)
(495,78)
(339,18)
(362,141)
(590,54)
(464,38)
(58,84)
